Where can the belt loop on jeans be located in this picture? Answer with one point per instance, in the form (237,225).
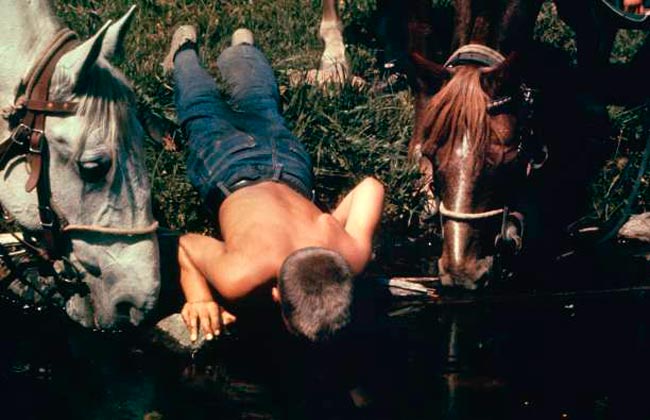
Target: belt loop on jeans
(277,172)
(226,192)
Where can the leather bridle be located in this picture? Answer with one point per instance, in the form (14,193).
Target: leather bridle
(27,120)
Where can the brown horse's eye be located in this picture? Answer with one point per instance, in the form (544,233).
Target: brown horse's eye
(504,128)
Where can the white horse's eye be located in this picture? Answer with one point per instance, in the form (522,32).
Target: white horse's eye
(94,169)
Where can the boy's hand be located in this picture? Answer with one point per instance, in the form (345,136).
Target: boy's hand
(207,316)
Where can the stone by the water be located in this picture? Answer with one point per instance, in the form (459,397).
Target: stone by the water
(172,333)
(637,228)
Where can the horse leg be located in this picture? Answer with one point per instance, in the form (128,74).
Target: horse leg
(334,65)
(333,59)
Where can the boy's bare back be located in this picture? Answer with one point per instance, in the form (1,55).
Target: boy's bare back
(267,222)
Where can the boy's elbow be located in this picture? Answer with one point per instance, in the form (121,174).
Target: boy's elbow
(230,290)
(233,288)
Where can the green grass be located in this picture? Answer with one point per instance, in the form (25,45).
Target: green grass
(350,133)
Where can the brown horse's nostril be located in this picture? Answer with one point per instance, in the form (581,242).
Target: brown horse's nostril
(469,273)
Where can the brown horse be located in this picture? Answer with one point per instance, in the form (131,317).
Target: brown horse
(480,136)
(472,152)
(474,130)
(468,134)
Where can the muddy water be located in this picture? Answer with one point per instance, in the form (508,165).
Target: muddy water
(548,356)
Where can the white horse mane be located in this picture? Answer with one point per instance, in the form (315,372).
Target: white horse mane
(105,101)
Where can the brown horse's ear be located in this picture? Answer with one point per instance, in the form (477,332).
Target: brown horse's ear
(428,68)
(503,78)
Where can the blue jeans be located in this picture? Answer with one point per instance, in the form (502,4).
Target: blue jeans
(240,142)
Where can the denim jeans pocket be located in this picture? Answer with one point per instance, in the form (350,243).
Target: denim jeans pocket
(299,151)
(229,146)
(225,151)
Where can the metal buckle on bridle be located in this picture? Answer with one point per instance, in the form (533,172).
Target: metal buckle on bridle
(528,95)
(538,163)
(537,152)
(527,101)
(21,134)
(68,278)
(506,240)
(502,241)
(48,221)
(6,216)
(40,139)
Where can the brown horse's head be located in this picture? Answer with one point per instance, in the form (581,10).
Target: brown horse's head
(472,156)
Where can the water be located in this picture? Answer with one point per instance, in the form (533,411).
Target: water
(549,356)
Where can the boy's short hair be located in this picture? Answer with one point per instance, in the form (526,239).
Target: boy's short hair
(316,286)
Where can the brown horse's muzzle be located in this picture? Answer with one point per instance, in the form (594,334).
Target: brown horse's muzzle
(470,248)
(471,274)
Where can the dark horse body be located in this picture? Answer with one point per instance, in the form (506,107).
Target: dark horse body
(596,23)
(478,137)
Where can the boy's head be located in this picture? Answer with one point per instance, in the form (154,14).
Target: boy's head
(315,287)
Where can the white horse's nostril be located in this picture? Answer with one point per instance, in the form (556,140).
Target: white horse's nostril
(136,316)
(127,312)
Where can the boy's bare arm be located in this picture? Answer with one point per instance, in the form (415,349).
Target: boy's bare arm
(200,309)
(360,212)
(232,275)
(195,252)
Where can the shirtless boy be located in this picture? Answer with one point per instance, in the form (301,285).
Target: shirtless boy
(257,177)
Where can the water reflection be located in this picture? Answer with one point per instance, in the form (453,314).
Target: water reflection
(480,357)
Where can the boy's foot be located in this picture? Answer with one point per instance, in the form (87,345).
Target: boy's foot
(242,36)
(184,35)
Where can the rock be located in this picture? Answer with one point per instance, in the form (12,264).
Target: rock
(637,228)
(172,333)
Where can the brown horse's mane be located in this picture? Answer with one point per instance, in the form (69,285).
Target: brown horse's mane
(458,109)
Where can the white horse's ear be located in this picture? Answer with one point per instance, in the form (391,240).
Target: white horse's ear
(114,40)
(78,61)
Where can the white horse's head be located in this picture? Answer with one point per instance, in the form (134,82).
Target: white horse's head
(98,178)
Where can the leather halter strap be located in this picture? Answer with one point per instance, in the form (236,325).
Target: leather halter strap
(37,104)
(33,105)
(28,137)
(51,107)
(468,216)
(481,55)
(145,230)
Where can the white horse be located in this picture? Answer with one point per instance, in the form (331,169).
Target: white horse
(96,169)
